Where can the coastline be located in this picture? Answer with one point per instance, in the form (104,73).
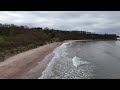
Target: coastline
(29,64)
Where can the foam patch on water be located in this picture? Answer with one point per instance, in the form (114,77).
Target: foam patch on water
(63,67)
(77,61)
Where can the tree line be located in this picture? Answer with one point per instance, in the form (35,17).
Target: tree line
(49,34)
(14,38)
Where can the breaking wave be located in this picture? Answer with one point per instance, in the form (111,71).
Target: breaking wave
(64,67)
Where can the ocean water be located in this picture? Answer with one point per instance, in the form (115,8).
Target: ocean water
(85,60)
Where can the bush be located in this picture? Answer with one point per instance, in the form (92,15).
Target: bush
(56,39)
(1,39)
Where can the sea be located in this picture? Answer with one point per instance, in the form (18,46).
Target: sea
(88,59)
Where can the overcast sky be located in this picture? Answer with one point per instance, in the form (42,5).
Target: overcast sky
(93,21)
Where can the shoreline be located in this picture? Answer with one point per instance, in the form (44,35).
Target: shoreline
(29,64)
(18,66)
(2,59)
(36,72)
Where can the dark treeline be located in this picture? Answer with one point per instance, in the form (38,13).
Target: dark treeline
(14,39)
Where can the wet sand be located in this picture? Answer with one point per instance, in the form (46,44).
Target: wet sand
(29,64)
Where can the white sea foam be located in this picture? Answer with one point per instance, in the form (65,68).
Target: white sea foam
(77,61)
(64,67)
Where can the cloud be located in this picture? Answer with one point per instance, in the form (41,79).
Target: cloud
(94,21)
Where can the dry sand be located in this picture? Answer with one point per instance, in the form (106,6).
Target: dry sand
(29,64)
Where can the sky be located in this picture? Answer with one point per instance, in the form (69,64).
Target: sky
(91,21)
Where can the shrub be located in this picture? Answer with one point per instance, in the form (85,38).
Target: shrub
(56,39)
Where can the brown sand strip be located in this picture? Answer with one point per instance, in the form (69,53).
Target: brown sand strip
(36,72)
(19,66)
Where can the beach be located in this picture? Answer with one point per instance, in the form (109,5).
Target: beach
(29,64)
(73,59)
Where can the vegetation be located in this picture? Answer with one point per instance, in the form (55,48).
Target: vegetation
(15,39)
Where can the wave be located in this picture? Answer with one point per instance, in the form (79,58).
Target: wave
(77,61)
(64,67)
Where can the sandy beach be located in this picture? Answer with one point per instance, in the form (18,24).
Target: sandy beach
(29,64)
